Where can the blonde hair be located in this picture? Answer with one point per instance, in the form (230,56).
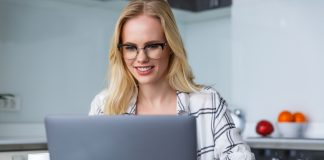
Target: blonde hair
(122,85)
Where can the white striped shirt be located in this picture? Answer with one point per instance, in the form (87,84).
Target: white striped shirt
(217,137)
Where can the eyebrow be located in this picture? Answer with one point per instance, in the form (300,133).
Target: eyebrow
(146,43)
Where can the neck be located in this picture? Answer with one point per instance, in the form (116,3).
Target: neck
(155,96)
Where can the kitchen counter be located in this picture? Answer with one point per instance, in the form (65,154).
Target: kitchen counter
(286,143)
(22,143)
(22,137)
(13,137)
(39,143)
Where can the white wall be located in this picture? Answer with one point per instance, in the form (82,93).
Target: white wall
(278,57)
(275,61)
(265,57)
(53,56)
(208,45)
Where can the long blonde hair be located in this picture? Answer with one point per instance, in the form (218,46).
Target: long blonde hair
(122,85)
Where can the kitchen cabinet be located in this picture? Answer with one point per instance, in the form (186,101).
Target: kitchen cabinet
(286,143)
(287,154)
(287,149)
(181,15)
(18,155)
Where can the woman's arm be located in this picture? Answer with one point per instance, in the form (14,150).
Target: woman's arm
(228,141)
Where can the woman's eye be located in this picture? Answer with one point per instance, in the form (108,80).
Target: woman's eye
(130,48)
(152,46)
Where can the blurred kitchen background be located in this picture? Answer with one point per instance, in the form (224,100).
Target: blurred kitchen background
(263,56)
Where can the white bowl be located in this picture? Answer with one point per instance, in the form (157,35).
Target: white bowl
(291,129)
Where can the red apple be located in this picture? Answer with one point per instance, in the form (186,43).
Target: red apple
(264,128)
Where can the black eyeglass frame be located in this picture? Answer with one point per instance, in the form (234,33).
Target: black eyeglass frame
(162,44)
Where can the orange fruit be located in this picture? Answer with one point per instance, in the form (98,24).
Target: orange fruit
(299,117)
(285,116)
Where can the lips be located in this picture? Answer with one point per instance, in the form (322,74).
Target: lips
(144,70)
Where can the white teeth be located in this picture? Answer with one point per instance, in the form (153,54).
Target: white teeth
(143,69)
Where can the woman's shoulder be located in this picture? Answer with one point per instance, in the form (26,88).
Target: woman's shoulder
(207,97)
(98,103)
(205,92)
(208,90)
(102,95)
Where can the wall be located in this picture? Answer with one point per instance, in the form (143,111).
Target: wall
(264,57)
(53,56)
(208,44)
(275,58)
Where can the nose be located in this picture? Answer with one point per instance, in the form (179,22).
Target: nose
(141,56)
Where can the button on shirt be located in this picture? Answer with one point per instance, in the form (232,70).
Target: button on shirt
(217,137)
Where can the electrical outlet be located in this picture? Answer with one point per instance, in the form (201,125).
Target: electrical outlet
(9,102)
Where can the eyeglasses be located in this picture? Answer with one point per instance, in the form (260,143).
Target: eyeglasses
(153,50)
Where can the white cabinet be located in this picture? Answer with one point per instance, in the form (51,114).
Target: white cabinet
(18,155)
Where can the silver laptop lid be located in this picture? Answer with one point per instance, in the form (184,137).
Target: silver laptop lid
(121,137)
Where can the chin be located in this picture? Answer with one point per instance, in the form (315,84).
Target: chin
(149,79)
(146,80)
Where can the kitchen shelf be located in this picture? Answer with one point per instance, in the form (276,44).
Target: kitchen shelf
(286,143)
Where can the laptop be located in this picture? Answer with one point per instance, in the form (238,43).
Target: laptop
(121,137)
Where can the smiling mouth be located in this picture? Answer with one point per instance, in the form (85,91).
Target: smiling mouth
(144,69)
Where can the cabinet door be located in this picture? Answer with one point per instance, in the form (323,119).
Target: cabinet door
(18,155)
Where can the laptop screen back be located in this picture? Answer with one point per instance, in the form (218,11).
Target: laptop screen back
(121,137)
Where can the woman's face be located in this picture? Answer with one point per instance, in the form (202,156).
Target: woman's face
(145,31)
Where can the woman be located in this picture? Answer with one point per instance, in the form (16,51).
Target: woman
(149,75)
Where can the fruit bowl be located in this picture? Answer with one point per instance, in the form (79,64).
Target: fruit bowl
(291,129)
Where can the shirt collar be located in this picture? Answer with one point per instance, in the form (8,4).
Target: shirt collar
(182,104)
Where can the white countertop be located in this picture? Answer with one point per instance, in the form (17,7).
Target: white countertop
(22,136)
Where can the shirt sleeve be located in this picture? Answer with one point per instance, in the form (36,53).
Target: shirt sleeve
(228,141)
